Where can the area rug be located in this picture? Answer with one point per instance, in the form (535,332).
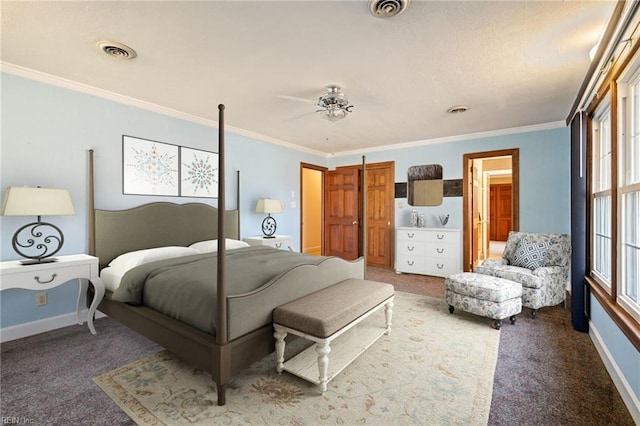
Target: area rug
(434,368)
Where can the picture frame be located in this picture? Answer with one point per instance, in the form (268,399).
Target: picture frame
(150,167)
(198,173)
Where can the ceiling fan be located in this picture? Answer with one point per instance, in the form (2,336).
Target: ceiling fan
(334,105)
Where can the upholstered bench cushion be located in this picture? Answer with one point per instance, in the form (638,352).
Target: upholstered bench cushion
(317,314)
(483,287)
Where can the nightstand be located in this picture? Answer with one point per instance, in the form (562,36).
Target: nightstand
(278,241)
(43,276)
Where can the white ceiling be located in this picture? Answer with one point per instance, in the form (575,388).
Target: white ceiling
(513,63)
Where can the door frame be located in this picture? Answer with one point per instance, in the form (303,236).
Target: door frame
(322,170)
(467,197)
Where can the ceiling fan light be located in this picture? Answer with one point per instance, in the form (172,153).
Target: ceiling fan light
(334,113)
(334,104)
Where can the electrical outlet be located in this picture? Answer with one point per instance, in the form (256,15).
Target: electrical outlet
(41,299)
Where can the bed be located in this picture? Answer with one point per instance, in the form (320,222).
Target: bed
(242,321)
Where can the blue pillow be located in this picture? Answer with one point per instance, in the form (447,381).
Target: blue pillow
(530,254)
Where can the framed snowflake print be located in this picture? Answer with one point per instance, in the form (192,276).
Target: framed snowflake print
(198,173)
(150,167)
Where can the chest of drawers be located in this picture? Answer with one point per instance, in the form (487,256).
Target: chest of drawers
(428,251)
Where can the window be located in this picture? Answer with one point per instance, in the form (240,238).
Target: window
(628,191)
(601,184)
(615,192)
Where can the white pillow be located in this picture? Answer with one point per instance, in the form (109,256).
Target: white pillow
(211,246)
(126,261)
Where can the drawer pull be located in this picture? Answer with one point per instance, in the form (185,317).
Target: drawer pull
(410,248)
(440,236)
(37,278)
(440,250)
(410,262)
(440,266)
(411,235)
(278,245)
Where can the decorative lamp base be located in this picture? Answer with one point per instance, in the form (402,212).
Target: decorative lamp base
(38,261)
(269,227)
(37,241)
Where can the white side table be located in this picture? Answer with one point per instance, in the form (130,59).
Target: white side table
(278,241)
(44,276)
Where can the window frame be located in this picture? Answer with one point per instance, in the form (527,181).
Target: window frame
(628,176)
(600,132)
(609,299)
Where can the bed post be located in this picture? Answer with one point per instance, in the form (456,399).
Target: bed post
(92,209)
(221,305)
(238,199)
(221,320)
(363,218)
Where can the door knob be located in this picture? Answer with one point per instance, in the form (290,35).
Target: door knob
(355,222)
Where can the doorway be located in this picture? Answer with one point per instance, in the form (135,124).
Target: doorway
(331,204)
(311,208)
(490,202)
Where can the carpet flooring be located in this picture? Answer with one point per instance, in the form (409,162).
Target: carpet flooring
(434,368)
(546,373)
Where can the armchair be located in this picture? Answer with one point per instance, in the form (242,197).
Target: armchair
(540,262)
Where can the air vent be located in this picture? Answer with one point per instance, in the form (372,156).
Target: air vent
(117,50)
(458,109)
(387,8)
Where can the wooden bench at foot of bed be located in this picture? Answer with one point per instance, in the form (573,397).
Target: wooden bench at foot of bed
(324,317)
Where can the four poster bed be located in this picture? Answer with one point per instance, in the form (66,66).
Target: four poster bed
(228,326)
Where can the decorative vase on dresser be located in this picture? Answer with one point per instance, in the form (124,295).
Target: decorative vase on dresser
(428,251)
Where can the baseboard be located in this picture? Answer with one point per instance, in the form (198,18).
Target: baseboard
(312,250)
(41,326)
(628,396)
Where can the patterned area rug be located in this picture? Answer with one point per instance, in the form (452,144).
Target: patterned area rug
(434,368)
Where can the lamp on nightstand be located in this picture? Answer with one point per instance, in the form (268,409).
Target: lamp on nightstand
(268,205)
(41,239)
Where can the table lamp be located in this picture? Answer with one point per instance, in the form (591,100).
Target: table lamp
(39,240)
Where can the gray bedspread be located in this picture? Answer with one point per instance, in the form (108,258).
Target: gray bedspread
(184,288)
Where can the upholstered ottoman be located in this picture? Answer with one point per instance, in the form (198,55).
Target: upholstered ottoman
(484,295)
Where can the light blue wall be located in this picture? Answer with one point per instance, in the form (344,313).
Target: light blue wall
(544,176)
(46,134)
(624,354)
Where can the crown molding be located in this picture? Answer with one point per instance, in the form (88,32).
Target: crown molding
(148,106)
(458,138)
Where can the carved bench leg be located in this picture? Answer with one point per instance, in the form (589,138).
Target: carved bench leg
(323,350)
(388,312)
(280,344)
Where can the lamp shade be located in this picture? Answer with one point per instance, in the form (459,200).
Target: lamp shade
(268,205)
(25,201)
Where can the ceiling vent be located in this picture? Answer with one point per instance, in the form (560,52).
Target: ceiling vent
(387,8)
(459,109)
(117,50)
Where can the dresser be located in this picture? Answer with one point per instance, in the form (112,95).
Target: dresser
(428,251)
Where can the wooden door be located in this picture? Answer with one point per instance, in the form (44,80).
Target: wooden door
(341,218)
(380,214)
(493,213)
(503,211)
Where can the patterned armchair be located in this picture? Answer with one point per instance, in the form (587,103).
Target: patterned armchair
(540,262)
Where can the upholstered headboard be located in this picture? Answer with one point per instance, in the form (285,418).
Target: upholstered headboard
(157,225)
